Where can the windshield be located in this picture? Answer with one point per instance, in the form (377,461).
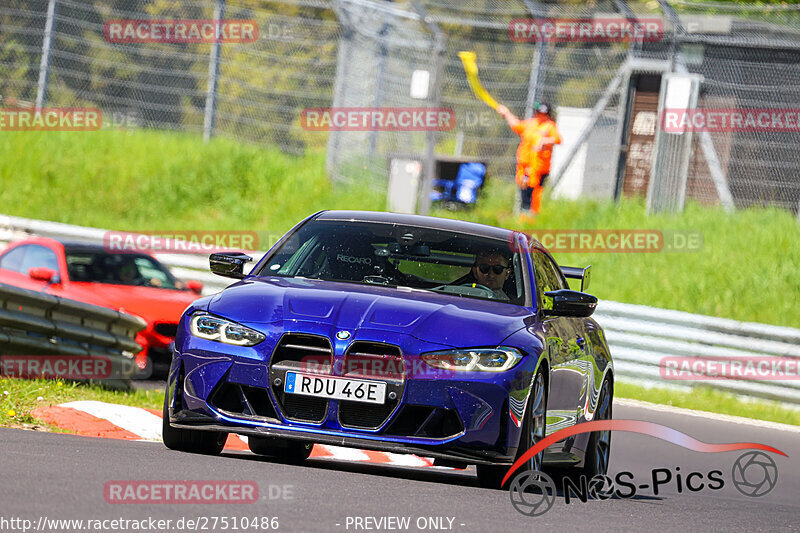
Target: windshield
(393,255)
(119,269)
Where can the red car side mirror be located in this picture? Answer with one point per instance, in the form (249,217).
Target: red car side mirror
(194,286)
(45,274)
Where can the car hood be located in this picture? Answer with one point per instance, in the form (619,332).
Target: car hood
(152,304)
(437,318)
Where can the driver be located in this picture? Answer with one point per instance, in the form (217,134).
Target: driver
(492,270)
(129,274)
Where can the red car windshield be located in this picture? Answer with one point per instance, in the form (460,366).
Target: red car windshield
(119,269)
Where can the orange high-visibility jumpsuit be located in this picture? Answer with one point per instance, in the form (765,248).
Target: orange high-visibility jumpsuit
(532,165)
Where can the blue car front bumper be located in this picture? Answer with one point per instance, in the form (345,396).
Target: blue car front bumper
(469,417)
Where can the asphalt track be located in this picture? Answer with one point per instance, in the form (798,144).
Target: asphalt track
(59,476)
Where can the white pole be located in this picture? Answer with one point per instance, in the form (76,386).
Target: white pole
(209,118)
(44,65)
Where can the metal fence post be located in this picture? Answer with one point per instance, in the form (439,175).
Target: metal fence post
(209,118)
(383,52)
(706,142)
(341,84)
(537,63)
(535,81)
(47,45)
(672,150)
(439,48)
(424,205)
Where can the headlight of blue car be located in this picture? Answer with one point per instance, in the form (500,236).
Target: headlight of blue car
(497,359)
(218,329)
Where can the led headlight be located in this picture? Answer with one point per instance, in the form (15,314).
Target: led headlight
(497,359)
(221,330)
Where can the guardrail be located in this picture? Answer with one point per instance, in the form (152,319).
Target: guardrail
(639,336)
(35,324)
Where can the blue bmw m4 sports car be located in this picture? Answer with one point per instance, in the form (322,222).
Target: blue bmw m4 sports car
(403,333)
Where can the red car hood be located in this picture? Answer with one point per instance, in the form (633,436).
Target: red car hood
(152,304)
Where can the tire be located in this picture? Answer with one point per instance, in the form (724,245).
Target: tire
(192,441)
(290,451)
(598,450)
(533,430)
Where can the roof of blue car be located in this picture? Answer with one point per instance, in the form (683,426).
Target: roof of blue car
(446,224)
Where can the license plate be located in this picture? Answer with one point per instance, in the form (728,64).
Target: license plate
(354,390)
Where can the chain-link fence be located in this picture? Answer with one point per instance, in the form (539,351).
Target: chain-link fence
(365,53)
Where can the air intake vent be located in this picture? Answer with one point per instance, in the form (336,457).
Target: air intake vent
(373,360)
(243,401)
(300,353)
(425,421)
(309,350)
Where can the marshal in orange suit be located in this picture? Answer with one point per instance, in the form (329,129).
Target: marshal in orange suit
(537,137)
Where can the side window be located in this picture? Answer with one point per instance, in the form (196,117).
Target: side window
(547,275)
(39,256)
(13,260)
(151,273)
(558,279)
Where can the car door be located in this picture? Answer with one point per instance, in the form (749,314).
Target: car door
(565,342)
(16,263)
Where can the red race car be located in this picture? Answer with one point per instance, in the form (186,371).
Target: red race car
(133,282)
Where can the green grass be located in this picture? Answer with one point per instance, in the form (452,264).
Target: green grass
(747,268)
(148,180)
(20,396)
(158,181)
(706,399)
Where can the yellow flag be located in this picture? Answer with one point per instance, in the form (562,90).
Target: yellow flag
(471,69)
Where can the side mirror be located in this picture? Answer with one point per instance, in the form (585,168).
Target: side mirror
(566,302)
(194,286)
(229,265)
(48,275)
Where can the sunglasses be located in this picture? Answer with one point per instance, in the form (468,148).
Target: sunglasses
(497,269)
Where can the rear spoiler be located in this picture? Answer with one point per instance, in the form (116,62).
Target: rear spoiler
(582,274)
